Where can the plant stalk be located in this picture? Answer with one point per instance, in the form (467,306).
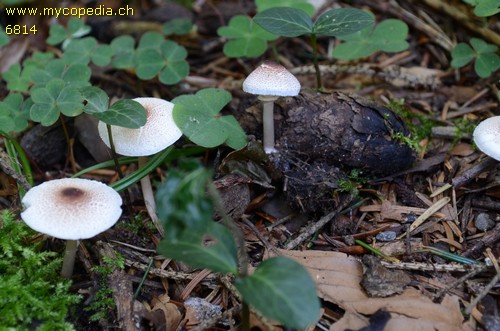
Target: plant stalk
(69,258)
(314,44)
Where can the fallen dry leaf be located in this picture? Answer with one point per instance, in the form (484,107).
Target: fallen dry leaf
(338,278)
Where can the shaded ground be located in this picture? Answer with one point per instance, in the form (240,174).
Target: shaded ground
(365,185)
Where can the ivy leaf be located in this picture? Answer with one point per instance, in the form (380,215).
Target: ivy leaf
(299,4)
(54,99)
(484,54)
(285,21)
(97,101)
(14,113)
(388,36)
(177,26)
(126,113)
(168,61)
(282,290)
(123,52)
(199,119)
(339,22)
(246,39)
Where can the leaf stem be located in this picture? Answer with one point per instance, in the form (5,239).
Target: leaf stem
(314,44)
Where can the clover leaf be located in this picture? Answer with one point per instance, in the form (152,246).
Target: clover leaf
(54,99)
(387,36)
(123,52)
(246,39)
(86,49)
(76,28)
(486,61)
(167,59)
(199,119)
(487,8)
(77,74)
(14,113)
(177,26)
(273,290)
(299,4)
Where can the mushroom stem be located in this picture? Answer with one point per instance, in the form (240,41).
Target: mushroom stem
(149,198)
(69,258)
(268,123)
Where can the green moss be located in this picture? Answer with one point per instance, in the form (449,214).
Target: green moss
(32,294)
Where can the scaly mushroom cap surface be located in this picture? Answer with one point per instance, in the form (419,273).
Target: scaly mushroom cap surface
(159,132)
(487,137)
(71,208)
(271,79)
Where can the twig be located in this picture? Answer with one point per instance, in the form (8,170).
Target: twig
(489,239)
(6,166)
(471,173)
(470,274)
(309,231)
(483,293)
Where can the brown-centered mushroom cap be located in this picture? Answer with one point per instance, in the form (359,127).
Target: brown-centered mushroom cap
(487,137)
(159,132)
(71,208)
(271,79)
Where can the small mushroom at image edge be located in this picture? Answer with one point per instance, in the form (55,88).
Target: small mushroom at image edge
(71,209)
(487,137)
(270,81)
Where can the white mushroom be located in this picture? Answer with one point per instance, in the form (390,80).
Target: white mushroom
(270,81)
(71,209)
(487,137)
(159,132)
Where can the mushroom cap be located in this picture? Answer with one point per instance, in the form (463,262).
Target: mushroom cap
(71,208)
(159,132)
(271,79)
(487,137)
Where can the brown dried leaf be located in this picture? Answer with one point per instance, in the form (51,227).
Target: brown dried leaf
(171,312)
(338,278)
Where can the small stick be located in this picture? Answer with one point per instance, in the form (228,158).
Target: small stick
(467,176)
(6,166)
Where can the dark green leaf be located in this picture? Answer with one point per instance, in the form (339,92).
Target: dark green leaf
(127,113)
(97,101)
(299,4)
(282,290)
(214,250)
(150,40)
(149,63)
(339,22)
(285,21)
(486,64)
(487,8)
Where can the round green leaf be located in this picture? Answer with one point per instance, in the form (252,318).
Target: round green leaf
(282,290)
(486,64)
(150,39)
(342,21)
(177,26)
(127,113)
(285,21)
(97,101)
(101,55)
(299,4)
(123,52)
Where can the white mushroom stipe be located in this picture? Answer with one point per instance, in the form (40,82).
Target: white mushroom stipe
(487,137)
(159,132)
(270,81)
(71,208)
